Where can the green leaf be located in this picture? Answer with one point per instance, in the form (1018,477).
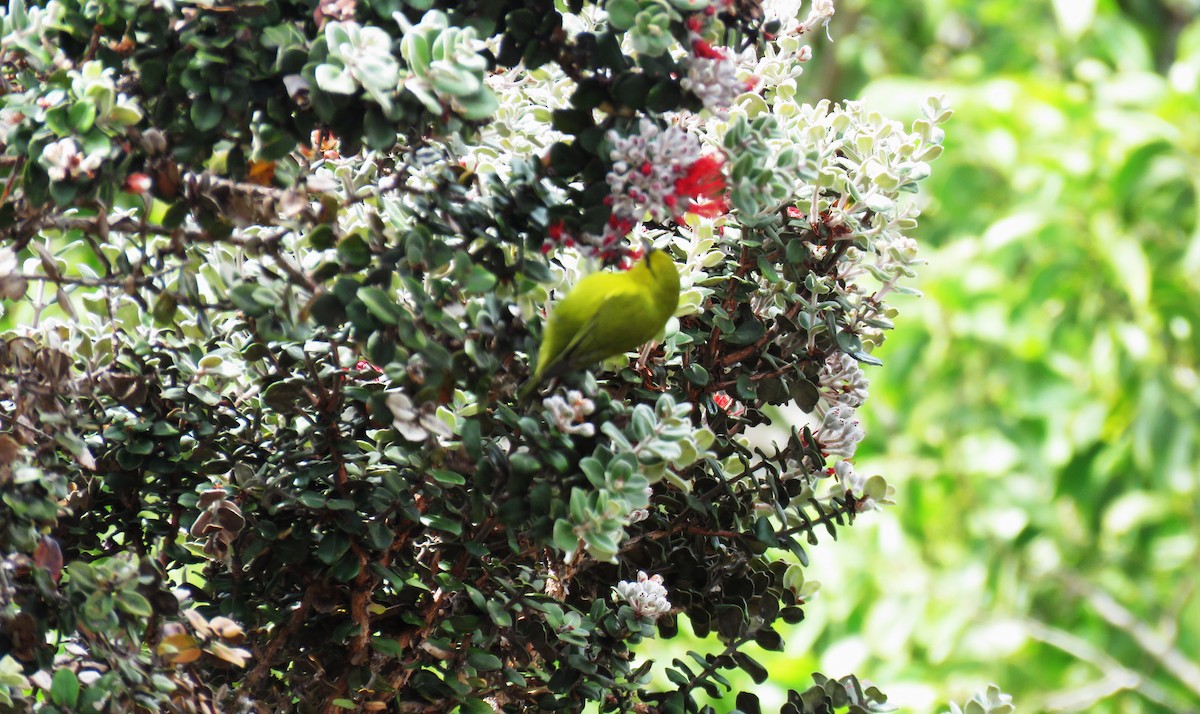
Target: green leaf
(442,523)
(380,535)
(387,646)
(64,688)
(59,121)
(455,82)
(572,121)
(98,611)
(82,116)
(664,96)
(380,131)
(480,280)
(747,332)
(78,448)
(243,298)
(346,569)
(334,78)
(475,706)
(589,94)
(273,143)
(767,270)
(321,237)
(521,23)
(332,547)
(134,603)
(327,310)
(308,499)
(205,114)
(380,304)
(141,447)
(204,394)
(622,14)
(499,614)
(696,374)
(482,660)
(631,89)
(285,395)
(354,252)
(164,309)
(450,478)
(63,192)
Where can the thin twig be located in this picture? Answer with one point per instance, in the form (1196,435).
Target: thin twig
(1162,650)
(1116,677)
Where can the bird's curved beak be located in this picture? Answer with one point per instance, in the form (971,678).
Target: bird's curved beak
(647,246)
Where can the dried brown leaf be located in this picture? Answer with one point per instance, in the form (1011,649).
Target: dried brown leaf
(49,555)
(179,648)
(236,656)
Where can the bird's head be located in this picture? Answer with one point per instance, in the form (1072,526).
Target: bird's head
(661,269)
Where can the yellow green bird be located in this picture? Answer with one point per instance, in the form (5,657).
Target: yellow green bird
(607,314)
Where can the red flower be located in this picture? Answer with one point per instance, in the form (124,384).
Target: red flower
(700,48)
(704,185)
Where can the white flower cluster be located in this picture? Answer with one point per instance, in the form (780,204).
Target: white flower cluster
(647,595)
(645,167)
(819,15)
(415,423)
(10,119)
(63,160)
(852,483)
(714,81)
(568,414)
(92,88)
(839,432)
(842,381)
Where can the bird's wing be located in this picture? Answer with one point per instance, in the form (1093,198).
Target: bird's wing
(611,330)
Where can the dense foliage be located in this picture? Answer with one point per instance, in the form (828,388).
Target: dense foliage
(274,272)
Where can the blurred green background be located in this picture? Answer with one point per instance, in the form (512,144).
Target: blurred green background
(1039,408)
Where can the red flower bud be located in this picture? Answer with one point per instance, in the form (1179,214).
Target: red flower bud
(138,183)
